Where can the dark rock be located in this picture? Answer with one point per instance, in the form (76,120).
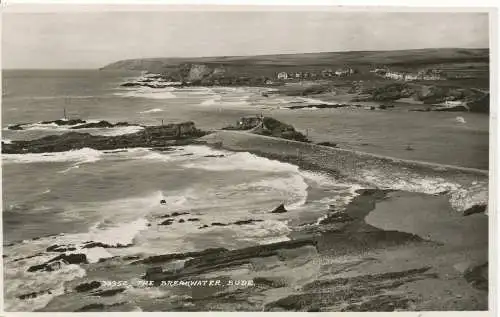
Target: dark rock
(85,287)
(65,122)
(193,219)
(163,202)
(219,224)
(75,258)
(204,226)
(246,222)
(216,260)
(109,292)
(60,248)
(178,256)
(153,136)
(91,307)
(181,220)
(280,209)
(478,276)
(213,155)
(175,214)
(100,124)
(269,282)
(27,257)
(476,209)
(92,244)
(330,144)
(15,127)
(39,267)
(33,294)
(131,84)
(98,307)
(480,105)
(167,222)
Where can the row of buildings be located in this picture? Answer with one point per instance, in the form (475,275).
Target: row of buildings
(432,74)
(341,72)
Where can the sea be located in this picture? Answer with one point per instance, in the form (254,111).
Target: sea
(113,197)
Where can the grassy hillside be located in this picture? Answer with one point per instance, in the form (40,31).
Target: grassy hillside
(266,65)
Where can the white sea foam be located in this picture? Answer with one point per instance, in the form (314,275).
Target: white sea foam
(6,141)
(461,198)
(116,131)
(293,189)
(85,155)
(22,282)
(241,161)
(150,93)
(53,126)
(265,232)
(64,171)
(151,110)
(212,101)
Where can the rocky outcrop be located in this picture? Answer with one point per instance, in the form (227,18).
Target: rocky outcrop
(108,292)
(476,209)
(60,248)
(101,124)
(480,104)
(64,122)
(280,209)
(328,143)
(85,287)
(55,263)
(268,126)
(152,136)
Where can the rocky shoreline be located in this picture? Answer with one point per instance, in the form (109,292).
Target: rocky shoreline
(150,136)
(341,264)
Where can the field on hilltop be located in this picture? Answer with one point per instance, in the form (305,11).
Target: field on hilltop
(269,64)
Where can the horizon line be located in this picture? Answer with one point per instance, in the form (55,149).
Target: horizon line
(267,54)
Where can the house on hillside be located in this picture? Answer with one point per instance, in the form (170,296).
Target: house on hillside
(346,71)
(394,75)
(327,73)
(410,77)
(282,75)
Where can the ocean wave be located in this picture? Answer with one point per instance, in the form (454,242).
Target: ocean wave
(151,110)
(85,155)
(150,93)
(241,161)
(293,189)
(212,101)
(19,282)
(461,197)
(6,141)
(94,131)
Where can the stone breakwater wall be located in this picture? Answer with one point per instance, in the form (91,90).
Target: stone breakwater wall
(465,186)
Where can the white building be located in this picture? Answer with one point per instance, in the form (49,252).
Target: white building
(282,75)
(410,77)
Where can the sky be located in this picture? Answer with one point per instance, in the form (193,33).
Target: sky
(94,38)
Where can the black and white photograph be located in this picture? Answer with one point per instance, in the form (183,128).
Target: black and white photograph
(246,158)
